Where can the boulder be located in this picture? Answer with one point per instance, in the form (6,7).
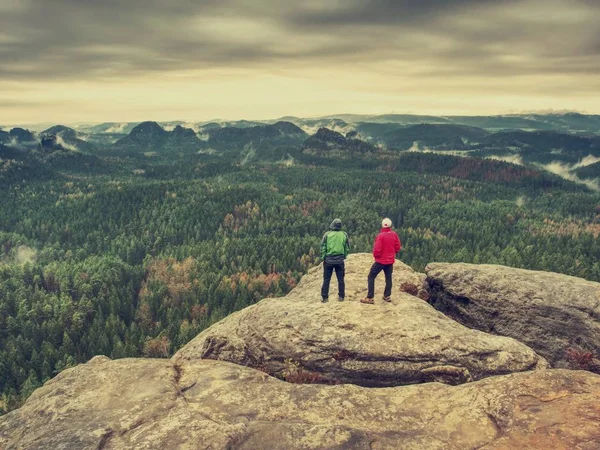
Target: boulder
(556,315)
(387,344)
(157,404)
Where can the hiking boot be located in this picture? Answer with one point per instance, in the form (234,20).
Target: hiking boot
(387,299)
(324,299)
(367,300)
(340,299)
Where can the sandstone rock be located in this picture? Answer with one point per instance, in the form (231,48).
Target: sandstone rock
(407,341)
(156,404)
(547,311)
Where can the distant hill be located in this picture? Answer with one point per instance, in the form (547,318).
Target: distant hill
(543,146)
(69,138)
(278,134)
(570,121)
(312,126)
(430,136)
(147,136)
(376,132)
(184,137)
(538,140)
(244,141)
(501,122)
(150,137)
(542,140)
(242,124)
(22,136)
(590,171)
(110,128)
(326,140)
(45,158)
(408,119)
(19,138)
(210,126)
(476,169)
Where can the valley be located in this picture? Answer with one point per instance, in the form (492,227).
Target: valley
(130,239)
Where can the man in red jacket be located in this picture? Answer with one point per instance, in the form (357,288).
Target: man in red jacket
(387,244)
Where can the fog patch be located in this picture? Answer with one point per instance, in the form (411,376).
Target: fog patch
(565,171)
(416,148)
(25,255)
(333,126)
(83,137)
(203,136)
(14,143)
(249,153)
(288,161)
(171,126)
(117,128)
(513,159)
(587,161)
(60,141)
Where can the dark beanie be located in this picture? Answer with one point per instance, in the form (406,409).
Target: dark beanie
(336,224)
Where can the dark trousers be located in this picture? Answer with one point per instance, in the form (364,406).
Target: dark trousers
(339,273)
(388,269)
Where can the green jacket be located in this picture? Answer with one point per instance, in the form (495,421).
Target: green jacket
(335,243)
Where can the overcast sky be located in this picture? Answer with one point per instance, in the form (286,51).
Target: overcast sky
(127,60)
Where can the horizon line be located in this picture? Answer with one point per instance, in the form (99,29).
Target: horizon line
(327,116)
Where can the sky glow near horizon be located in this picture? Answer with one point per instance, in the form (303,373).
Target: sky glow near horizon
(70,61)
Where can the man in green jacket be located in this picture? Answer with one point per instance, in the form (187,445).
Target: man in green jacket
(335,246)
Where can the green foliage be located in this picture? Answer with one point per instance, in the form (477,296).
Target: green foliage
(140,255)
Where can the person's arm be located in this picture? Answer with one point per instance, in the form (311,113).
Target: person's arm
(377,246)
(398,244)
(324,246)
(346,246)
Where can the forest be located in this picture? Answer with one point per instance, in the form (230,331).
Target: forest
(134,254)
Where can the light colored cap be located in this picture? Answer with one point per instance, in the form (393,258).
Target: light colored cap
(386,223)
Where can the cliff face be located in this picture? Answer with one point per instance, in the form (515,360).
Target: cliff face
(552,313)
(156,404)
(403,342)
(495,392)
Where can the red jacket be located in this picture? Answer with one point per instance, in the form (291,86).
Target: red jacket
(387,244)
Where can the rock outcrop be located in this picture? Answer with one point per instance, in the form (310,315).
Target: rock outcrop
(144,137)
(404,342)
(326,140)
(156,404)
(496,401)
(547,311)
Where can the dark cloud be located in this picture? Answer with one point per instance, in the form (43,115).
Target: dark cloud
(387,12)
(97,39)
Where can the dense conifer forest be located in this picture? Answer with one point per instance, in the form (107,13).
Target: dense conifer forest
(129,254)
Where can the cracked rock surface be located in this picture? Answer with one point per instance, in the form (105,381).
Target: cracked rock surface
(403,342)
(205,404)
(549,312)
